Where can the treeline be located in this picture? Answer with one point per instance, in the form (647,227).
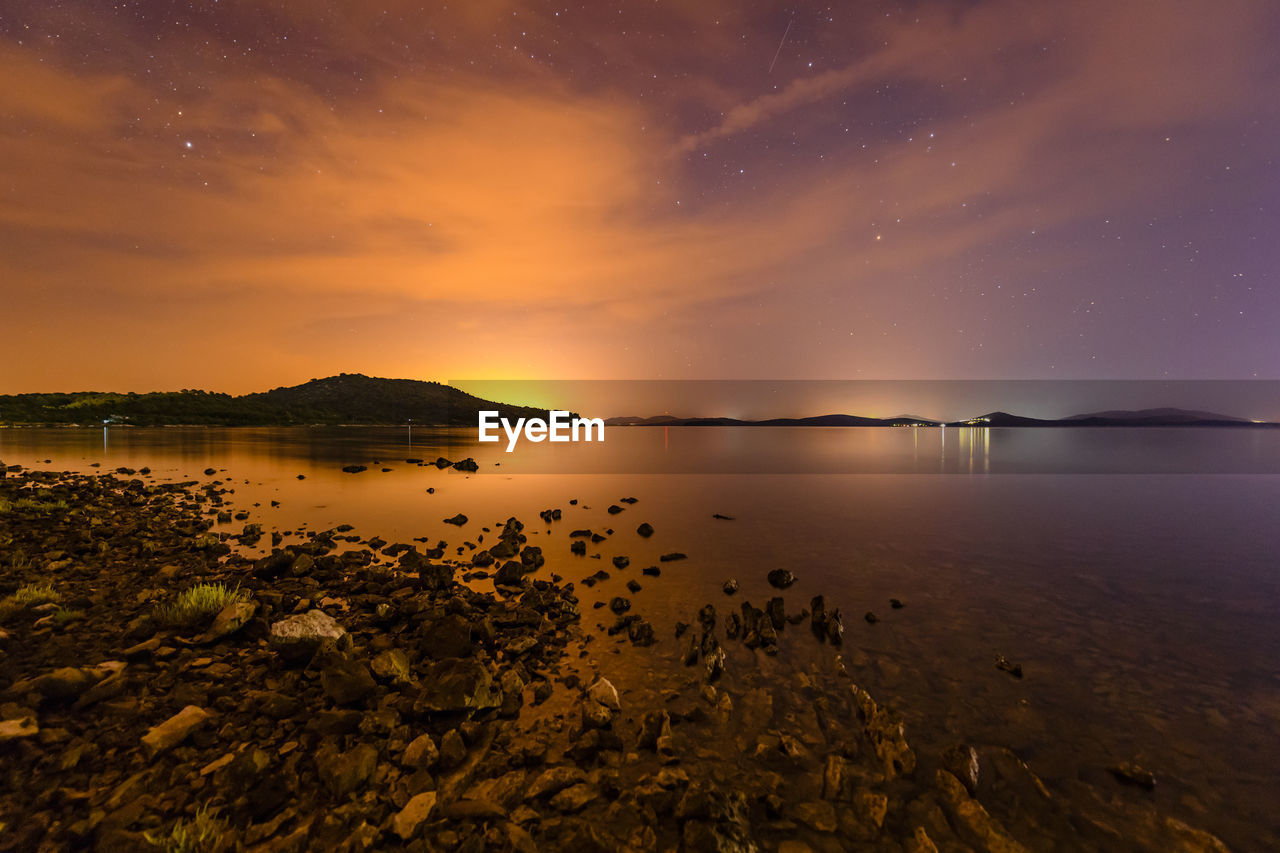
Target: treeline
(343,399)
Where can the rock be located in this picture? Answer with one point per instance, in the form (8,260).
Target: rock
(554,779)
(457,685)
(896,604)
(674,555)
(655,733)
(467,464)
(578,546)
(870,808)
(512,692)
(781,578)
(713,659)
(619,604)
(886,733)
(510,574)
(871,618)
(298,637)
(1014,669)
(354,469)
(20,728)
(645,529)
(968,816)
(449,636)
(346,681)
(633,586)
(1132,774)
(343,773)
(600,704)
(641,633)
(614,509)
(777,615)
(174,730)
(690,656)
(603,691)
(68,683)
(229,620)
(651,571)
(453,751)
(819,815)
(405,823)
(574,798)
(730,586)
(458,519)
(421,753)
(391,665)
(835,627)
(961,761)
(621,562)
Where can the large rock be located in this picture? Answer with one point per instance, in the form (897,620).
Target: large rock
(555,779)
(415,812)
(230,619)
(972,820)
(346,681)
(174,730)
(20,728)
(457,685)
(887,735)
(449,636)
(67,683)
(392,665)
(298,637)
(345,772)
(781,578)
(421,753)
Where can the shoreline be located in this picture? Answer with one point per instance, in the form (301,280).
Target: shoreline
(719,763)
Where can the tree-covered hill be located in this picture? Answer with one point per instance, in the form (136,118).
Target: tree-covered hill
(349,398)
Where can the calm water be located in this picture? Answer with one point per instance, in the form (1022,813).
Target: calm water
(1143,604)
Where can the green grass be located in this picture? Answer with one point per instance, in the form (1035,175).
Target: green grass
(34,593)
(33,505)
(63,615)
(201,834)
(198,604)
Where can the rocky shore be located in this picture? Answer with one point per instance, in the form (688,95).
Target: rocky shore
(164,687)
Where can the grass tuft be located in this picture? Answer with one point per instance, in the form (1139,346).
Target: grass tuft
(32,593)
(33,505)
(198,604)
(201,834)
(64,615)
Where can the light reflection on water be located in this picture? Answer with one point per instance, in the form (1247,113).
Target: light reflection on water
(1144,607)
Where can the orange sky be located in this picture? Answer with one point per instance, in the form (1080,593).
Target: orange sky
(633,198)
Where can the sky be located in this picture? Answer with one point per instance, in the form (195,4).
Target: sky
(237,196)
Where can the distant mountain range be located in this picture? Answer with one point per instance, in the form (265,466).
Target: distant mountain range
(1140,417)
(352,398)
(348,398)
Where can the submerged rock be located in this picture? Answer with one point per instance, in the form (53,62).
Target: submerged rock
(1014,669)
(1132,774)
(781,578)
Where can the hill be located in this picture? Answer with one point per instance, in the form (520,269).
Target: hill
(348,398)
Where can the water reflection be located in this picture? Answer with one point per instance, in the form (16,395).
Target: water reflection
(1146,609)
